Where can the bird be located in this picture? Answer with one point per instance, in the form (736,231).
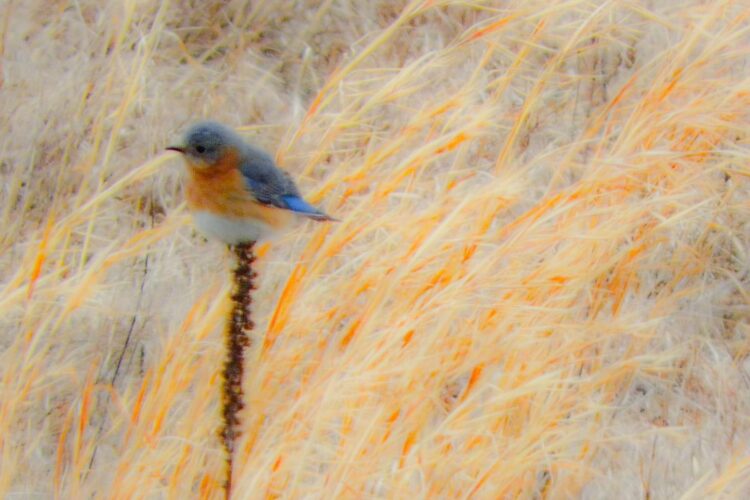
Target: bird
(235,191)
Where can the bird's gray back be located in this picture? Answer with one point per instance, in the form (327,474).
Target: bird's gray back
(267,181)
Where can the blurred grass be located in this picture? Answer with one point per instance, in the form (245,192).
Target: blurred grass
(538,287)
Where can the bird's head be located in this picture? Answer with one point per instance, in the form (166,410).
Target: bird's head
(206,143)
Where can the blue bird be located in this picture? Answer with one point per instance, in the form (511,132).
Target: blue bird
(235,191)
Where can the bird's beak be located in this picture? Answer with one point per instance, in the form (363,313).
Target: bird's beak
(179,149)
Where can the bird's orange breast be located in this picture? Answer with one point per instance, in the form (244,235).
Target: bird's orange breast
(221,189)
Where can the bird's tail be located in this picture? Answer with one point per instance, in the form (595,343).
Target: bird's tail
(321,217)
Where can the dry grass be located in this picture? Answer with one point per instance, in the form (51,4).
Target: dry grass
(539,286)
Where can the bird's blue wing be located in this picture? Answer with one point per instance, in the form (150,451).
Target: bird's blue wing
(299,205)
(272,186)
(267,183)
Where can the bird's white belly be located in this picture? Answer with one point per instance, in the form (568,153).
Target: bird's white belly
(231,230)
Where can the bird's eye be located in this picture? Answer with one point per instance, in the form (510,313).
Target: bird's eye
(200,149)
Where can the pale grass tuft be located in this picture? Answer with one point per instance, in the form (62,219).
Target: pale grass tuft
(539,286)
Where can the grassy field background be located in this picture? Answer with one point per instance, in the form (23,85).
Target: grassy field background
(538,287)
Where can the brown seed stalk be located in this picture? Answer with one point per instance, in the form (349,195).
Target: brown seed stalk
(237,340)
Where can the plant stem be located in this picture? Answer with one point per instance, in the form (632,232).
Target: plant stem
(238,327)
